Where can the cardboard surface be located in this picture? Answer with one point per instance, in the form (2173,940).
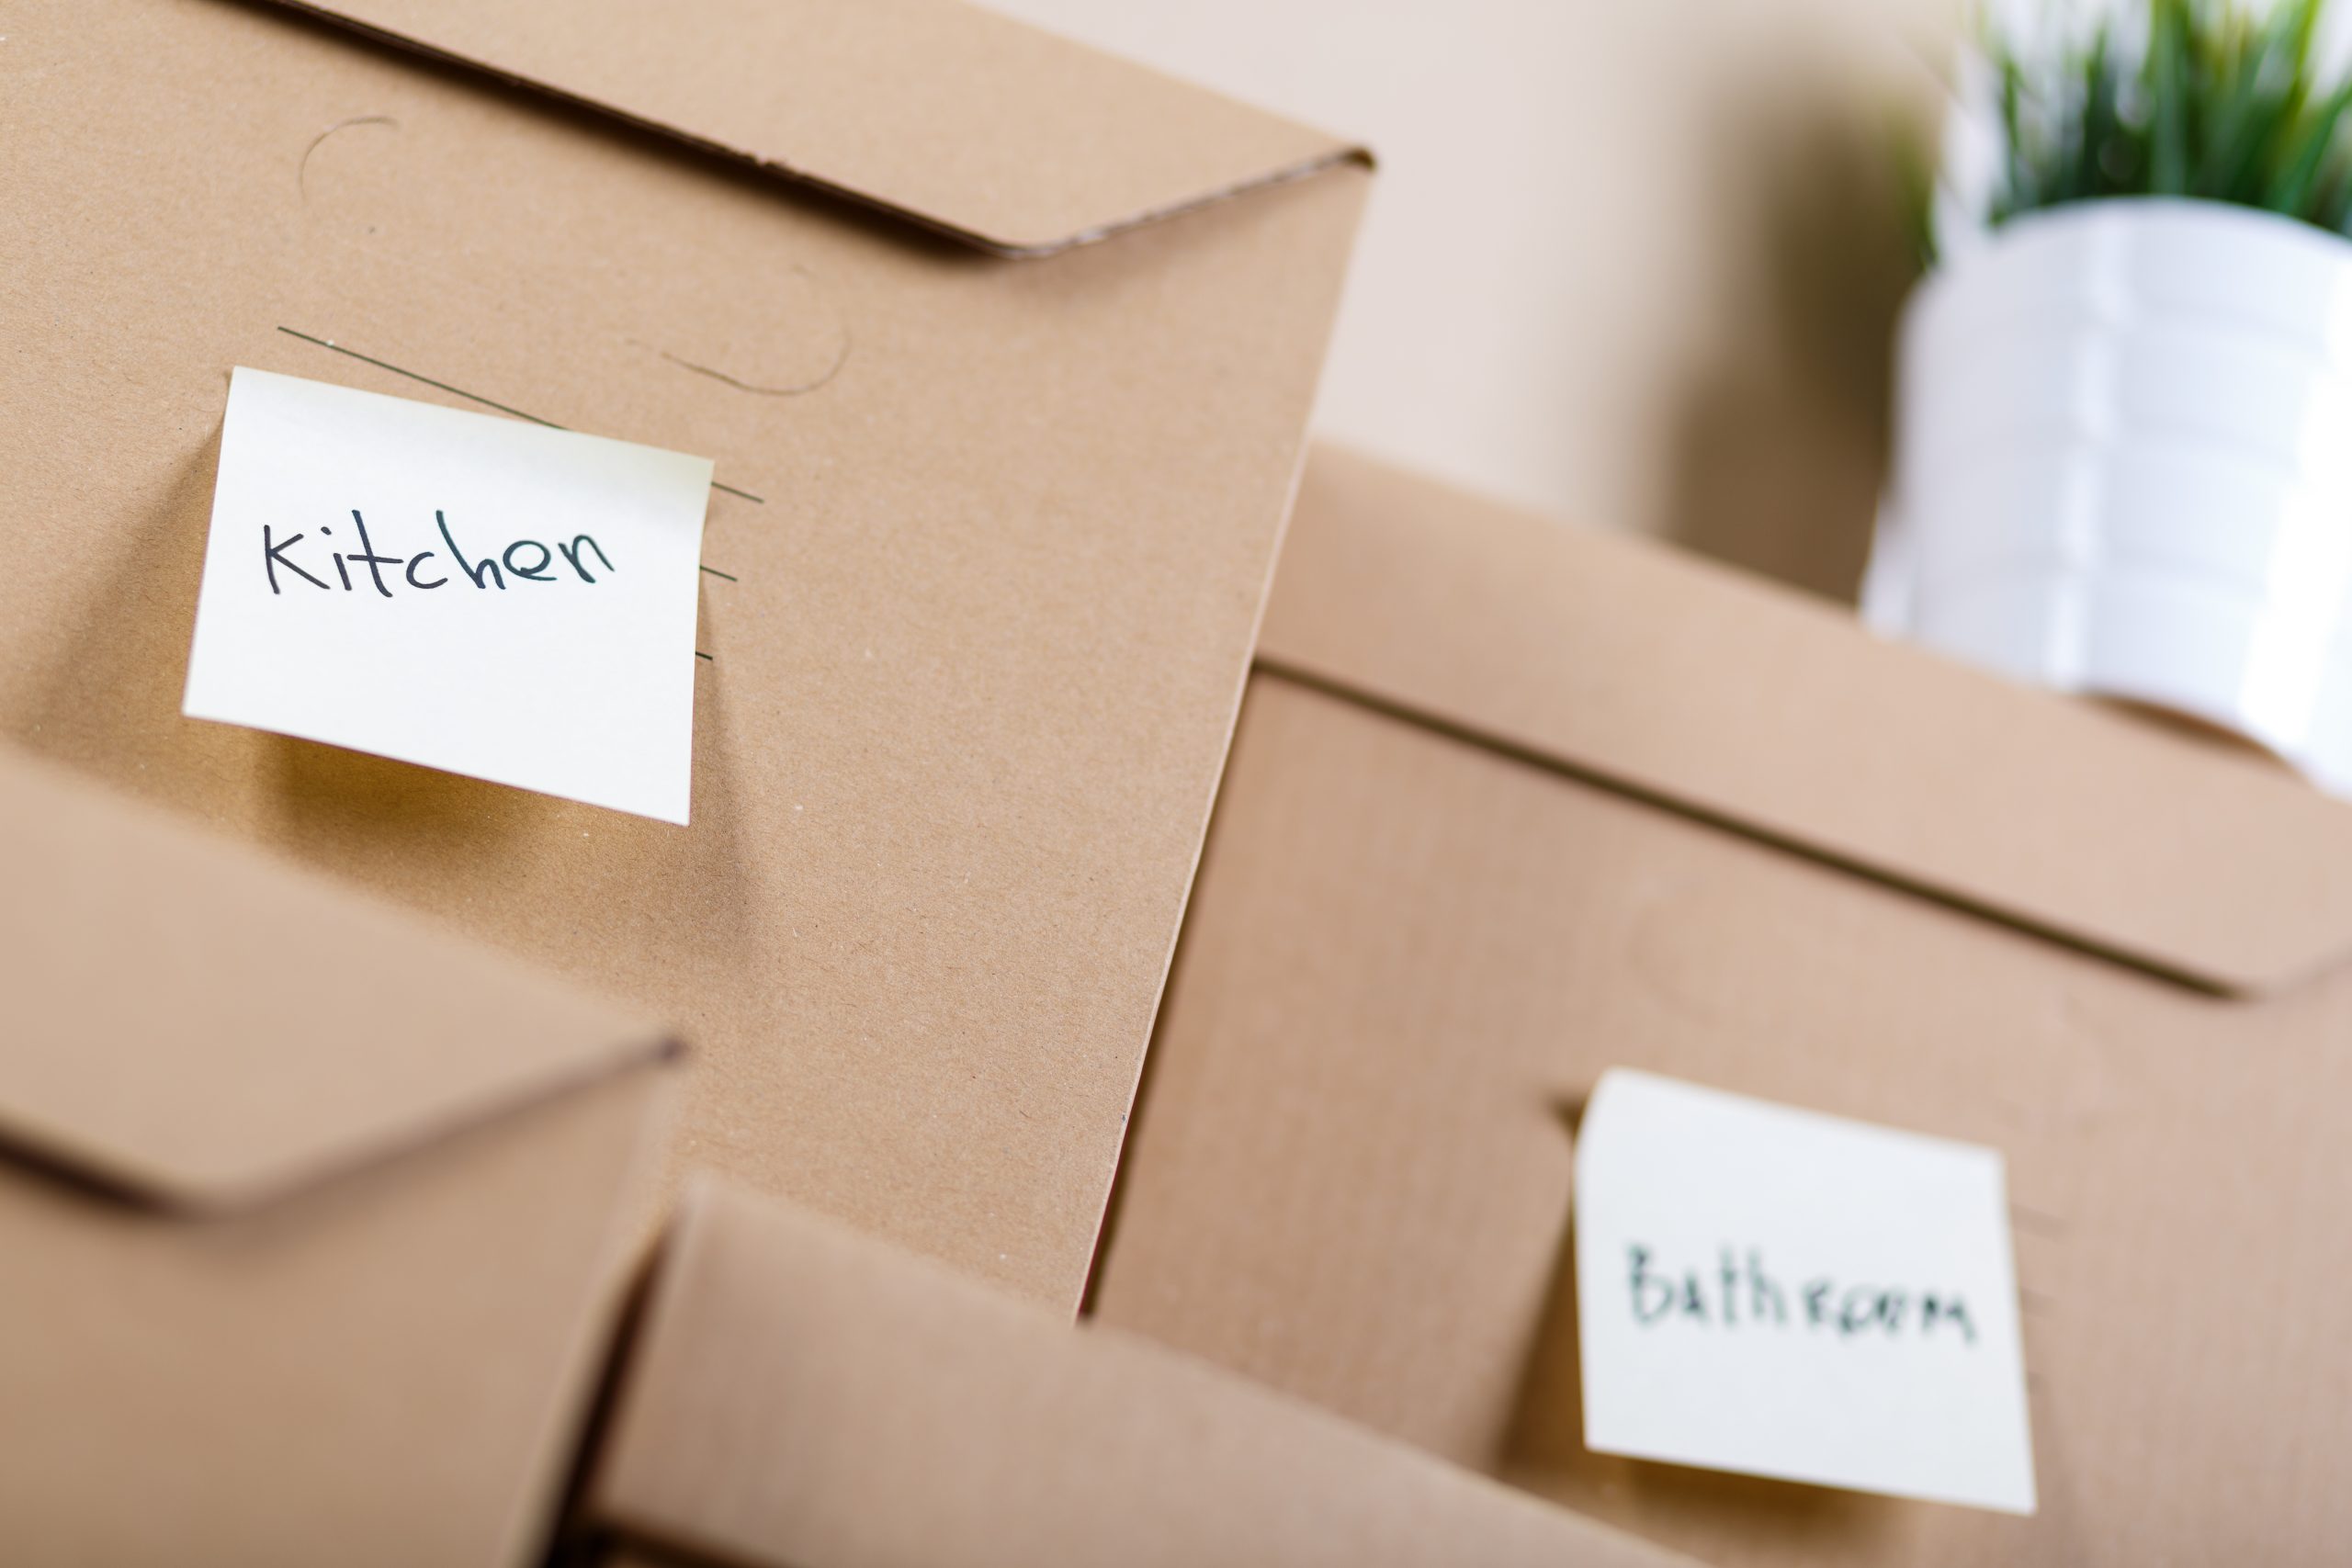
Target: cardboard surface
(803,1397)
(1425,926)
(373,1340)
(987,543)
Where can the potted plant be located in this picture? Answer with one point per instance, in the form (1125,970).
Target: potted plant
(2124,444)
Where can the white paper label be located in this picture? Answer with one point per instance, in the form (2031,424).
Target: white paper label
(1770,1291)
(462,591)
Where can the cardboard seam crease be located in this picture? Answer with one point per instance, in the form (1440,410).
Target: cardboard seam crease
(362,18)
(1725,819)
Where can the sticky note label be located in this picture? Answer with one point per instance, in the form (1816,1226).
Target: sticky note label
(1765,1289)
(463,591)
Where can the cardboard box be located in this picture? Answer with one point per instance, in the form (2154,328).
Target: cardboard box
(1512,803)
(1005,352)
(315,1217)
(801,1396)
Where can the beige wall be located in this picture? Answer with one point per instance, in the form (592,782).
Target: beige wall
(1632,263)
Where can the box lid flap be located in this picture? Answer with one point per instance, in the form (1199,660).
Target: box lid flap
(800,1393)
(1732,699)
(196,1027)
(986,129)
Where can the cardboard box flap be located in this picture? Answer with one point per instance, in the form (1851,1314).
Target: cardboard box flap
(194,1026)
(1735,700)
(801,1393)
(996,133)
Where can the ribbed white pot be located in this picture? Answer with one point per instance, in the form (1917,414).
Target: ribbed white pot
(2123,466)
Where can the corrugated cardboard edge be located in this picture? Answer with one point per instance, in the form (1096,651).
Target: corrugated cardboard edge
(1359,157)
(1106,1209)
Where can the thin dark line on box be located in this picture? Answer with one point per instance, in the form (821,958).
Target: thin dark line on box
(427,380)
(302,169)
(705,657)
(474,398)
(819,385)
(727,575)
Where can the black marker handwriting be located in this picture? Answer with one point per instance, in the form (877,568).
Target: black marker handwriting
(1743,1294)
(524,560)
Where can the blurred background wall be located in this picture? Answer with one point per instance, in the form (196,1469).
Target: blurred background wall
(1630,262)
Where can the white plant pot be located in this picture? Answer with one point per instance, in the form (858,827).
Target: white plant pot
(2123,466)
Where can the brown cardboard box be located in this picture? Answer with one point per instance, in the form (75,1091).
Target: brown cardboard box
(313,1218)
(1511,803)
(801,1396)
(996,507)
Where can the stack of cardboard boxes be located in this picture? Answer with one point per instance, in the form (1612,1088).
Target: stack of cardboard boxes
(324,1216)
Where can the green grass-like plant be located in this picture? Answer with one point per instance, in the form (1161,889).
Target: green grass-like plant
(2222,105)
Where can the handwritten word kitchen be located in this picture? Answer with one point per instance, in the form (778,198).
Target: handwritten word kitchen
(1737,1295)
(524,560)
